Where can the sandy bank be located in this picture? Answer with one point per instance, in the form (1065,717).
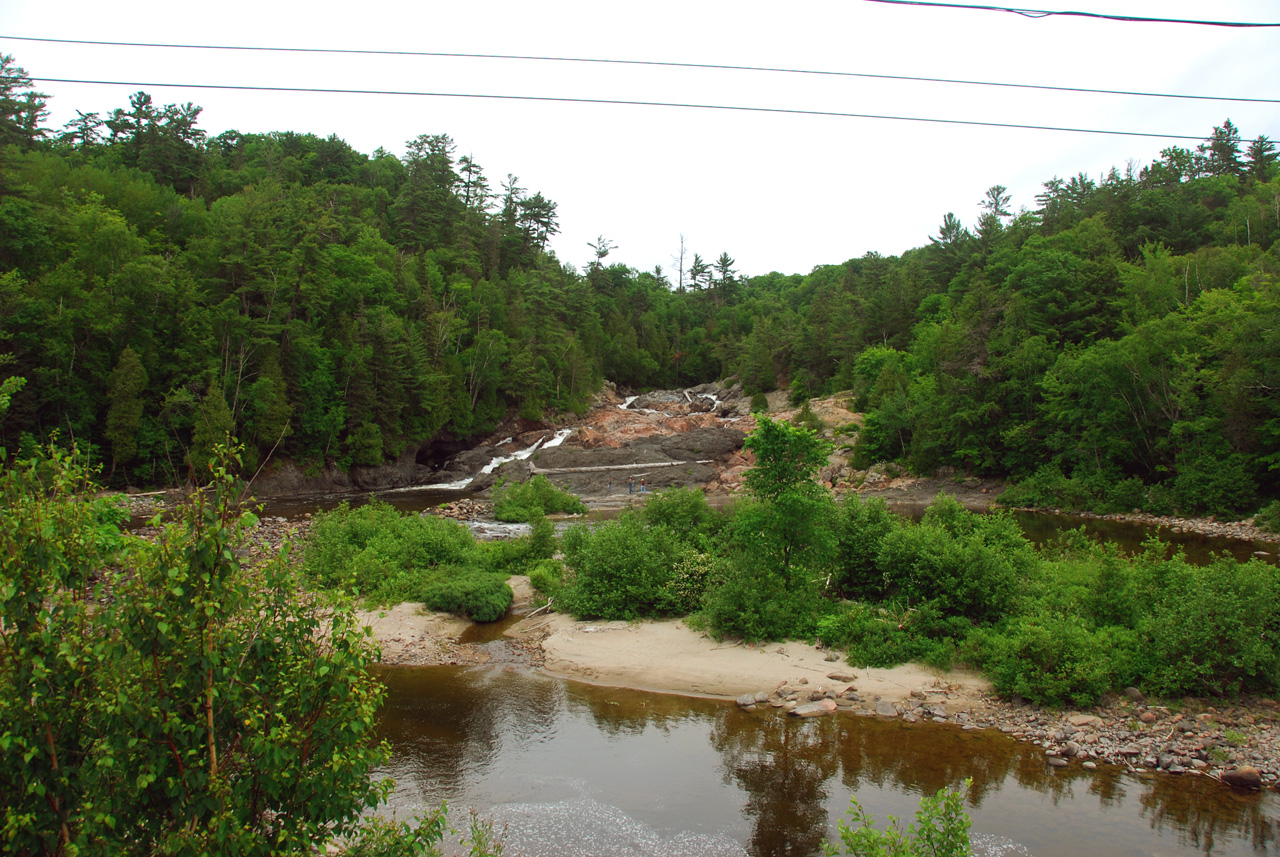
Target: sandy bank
(668,657)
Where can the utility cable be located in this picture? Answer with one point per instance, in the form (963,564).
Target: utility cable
(1044,13)
(566,100)
(652,63)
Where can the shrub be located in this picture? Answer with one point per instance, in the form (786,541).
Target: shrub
(862,526)
(1269,518)
(691,576)
(871,636)
(1210,630)
(618,569)
(941,829)
(685,513)
(547,577)
(523,502)
(381,553)
(966,564)
(477,596)
(806,418)
(887,635)
(753,604)
(1216,486)
(204,708)
(759,403)
(1053,660)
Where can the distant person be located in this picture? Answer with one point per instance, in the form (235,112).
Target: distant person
(631,484)
(642,488)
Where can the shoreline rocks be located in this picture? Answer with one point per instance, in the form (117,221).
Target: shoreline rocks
(1238,743)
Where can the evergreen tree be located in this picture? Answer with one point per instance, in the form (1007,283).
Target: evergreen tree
(128,383)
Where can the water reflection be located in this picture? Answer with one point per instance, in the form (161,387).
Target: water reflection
(575,769)
(783,765)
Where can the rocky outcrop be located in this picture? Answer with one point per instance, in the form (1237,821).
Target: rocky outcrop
(667,438)
(287,479)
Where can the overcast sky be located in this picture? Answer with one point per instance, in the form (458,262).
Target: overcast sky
(776,191)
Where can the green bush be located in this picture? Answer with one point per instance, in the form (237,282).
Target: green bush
(547,577)
(886,635)
(477,596)
(1210,630)
(1215,486)
(872,636)
(759,403)
(524,502)
(691,576)
(1269,518)
(808,419)
(618,570)
(383,554)
(1052,660)
(964,563)
(685,514)
(941,829)
(753,604)
(862,526)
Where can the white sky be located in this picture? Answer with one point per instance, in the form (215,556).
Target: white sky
(777,192)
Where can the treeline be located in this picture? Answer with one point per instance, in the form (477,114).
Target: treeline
(1116,345)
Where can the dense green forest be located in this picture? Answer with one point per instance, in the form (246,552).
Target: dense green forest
(1118,346)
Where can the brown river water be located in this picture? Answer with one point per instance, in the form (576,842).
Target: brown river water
(573,769)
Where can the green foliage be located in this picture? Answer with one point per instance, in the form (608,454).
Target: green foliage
(422,837)
(387,556)
(382,837)
(685,514)
(886,635)
(1210,629)
(941,829)
(807,418)
(547,577)
(963,563)
(1055,660)
(620,569)
(203,708)
(861,528)
(787,457)
(752,604)
(759,403)
(478,596)
(1269,518)
(383,555)
(526,501)
(128,382)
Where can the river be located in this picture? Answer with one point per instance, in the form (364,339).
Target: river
(574,769)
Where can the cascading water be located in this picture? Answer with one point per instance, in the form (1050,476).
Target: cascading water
(542,443)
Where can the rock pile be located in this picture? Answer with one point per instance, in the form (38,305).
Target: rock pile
(797,698)
(462,510)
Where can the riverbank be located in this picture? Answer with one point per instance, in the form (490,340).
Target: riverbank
(1180,737)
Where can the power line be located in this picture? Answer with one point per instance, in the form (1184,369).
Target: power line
(1044,13)
(651,63)
(567,100)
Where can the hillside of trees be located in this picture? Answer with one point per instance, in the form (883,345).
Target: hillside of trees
(1117,346)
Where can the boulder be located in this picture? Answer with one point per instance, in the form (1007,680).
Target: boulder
(1243,777)
(821,708)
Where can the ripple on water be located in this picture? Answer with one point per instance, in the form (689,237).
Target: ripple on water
(584,827)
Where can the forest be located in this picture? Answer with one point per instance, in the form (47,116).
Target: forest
(1116,348)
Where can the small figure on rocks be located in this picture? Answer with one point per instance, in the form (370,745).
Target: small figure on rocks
(643,489)
(631,484)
